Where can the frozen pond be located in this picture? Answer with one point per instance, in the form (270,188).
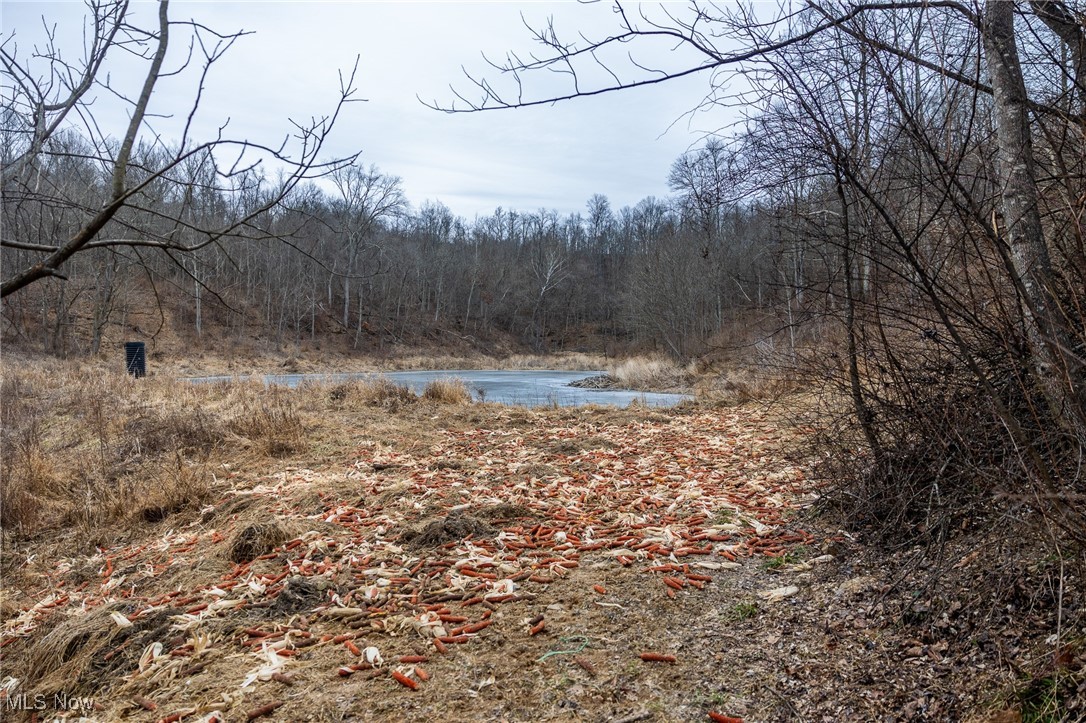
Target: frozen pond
(529,388)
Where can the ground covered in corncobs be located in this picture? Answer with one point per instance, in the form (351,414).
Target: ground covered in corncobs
(505,564)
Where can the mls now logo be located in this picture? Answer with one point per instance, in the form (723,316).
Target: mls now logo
(38,701)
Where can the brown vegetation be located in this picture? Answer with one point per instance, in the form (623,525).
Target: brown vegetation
(373,465)
(894,233)
(446,391)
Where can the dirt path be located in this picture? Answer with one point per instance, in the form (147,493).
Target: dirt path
(515,565)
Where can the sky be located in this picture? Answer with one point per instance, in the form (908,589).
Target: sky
(555,157)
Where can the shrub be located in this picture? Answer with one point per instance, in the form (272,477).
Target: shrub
(27,479)
(274,427)
(385,393)
(446,391)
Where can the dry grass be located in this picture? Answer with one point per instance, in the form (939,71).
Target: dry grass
(741,385)
(87,452)
(572,361)
(272,425)
(257,539)
(446,391)
(171,487)
(87,449)
(756,359)
(650,374)
(379,392)
(27,477)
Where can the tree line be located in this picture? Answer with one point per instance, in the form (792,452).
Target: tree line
(350,259)
(283,244)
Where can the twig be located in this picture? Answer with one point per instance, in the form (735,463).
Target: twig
(782,699)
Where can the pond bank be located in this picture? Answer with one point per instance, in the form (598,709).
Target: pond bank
(529,388)
(607,382)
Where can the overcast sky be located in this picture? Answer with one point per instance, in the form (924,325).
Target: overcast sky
(555,157)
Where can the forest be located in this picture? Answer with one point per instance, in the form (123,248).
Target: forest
(358,267)
(893,235)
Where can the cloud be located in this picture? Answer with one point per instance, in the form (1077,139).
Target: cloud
(552,156)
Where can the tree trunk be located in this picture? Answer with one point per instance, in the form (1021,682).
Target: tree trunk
(103,304)
(1057,369)
(1060,20)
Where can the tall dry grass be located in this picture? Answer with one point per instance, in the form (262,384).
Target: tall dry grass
(271,422)
(650,374)
(380,392)
(86,448)
(27,478)
(446,391)
(763,372)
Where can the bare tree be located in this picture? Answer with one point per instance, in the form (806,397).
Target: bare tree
(549,264)
(46,92)
(367,197)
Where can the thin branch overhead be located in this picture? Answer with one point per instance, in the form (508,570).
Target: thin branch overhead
(138,159)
